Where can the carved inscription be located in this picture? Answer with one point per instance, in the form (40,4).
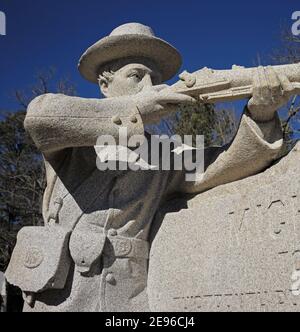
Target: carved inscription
(260,300)
(264,249)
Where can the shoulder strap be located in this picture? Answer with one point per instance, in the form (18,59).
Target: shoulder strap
(67,203)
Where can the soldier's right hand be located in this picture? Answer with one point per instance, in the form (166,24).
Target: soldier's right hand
(155,102)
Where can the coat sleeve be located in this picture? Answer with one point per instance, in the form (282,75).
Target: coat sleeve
(56,121)
(252,150)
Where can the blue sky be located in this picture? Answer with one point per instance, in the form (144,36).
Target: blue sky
(209,33)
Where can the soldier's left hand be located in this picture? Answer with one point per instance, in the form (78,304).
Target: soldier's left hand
(271,91)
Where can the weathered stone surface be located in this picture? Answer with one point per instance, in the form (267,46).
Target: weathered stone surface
(2,292)
(2,279)
(35,265)
(233,248)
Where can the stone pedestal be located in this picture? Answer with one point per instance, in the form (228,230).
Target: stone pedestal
(233,248)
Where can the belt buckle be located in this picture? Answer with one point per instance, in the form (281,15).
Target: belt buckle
(122,247)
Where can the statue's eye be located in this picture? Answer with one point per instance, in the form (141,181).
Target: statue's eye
(135,75)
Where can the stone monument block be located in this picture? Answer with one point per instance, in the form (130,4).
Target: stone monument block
(233,248)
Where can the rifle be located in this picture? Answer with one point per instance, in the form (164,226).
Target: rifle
(211,86)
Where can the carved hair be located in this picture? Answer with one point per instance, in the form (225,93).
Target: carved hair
(106,77)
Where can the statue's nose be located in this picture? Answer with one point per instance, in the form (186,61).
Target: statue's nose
(147,80)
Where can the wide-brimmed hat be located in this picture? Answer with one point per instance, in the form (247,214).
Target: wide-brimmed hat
(130,40)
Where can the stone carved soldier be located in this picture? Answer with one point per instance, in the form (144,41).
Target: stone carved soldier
(92,254)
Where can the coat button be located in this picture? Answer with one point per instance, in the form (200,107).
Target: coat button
(133,119)
(116,120)
(112,232)
(110,279)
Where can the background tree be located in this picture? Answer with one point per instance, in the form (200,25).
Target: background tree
(217,125)
(289,52)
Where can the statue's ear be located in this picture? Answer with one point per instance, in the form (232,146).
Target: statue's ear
(103,84)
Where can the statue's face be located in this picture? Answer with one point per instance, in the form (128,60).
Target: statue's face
(130,79)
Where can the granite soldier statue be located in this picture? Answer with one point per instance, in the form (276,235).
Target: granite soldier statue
(92,254)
